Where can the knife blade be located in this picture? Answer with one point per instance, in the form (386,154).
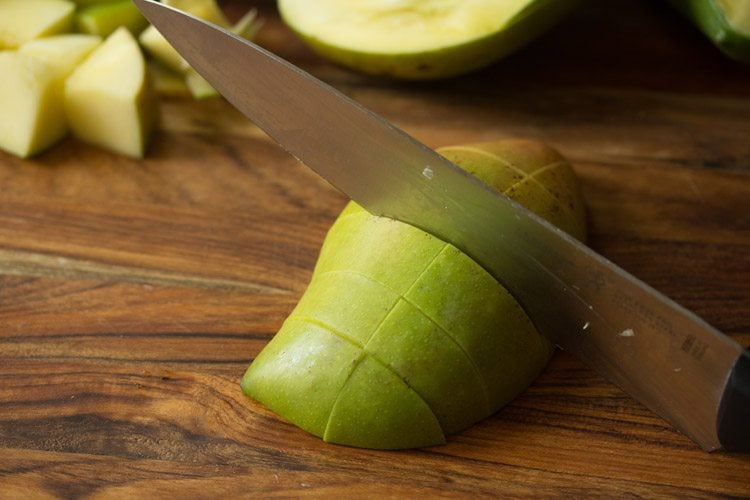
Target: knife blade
(660,353)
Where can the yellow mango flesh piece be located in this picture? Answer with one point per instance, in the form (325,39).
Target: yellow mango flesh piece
(109,99)
(204,9)
(62,52)
(24,20)
(30,104)
(33,91)
(161,50)
(167,82)
(158,47)
(248,25)
(414,315)
(737,13)
(199,86)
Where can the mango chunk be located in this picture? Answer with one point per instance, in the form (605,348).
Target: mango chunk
(24,20)
(109,98)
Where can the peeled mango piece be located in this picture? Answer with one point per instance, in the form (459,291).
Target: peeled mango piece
(158,46)
(30,104)
(419,39)
(198,86)
(205,9)
(725,22)
(109,99)
(167,82)
(62,52)
(24,20)
(160,49)
(401,339)
(33,80)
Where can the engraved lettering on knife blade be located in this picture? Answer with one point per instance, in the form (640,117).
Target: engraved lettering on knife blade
(694,346)
(595,279)
(633,306)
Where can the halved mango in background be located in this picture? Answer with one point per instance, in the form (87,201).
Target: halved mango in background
(725,22)
(419,39)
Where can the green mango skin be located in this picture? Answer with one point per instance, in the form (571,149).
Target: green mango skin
(710,18)
(444,62)
(104,18)
(401,339)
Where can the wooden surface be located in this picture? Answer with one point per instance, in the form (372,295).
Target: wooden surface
(134,294)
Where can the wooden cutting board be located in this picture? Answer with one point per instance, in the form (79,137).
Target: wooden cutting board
(133,294)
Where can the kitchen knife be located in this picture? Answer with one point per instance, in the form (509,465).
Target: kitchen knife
(663,355)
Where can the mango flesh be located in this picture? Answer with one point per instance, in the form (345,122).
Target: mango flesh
(401,339)
(62,52)
(419,39)
(737,13)
(160,49)
(167,82)
(158,46)
(109,99)
(33,89)
(34,95)
(30,97)
(24,20)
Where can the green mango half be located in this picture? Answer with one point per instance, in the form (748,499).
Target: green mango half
(419,39)
(725,22)
(401,339)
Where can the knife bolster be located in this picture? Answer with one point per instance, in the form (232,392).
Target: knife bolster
(733,422)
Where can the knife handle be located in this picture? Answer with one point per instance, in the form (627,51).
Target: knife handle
(733,422)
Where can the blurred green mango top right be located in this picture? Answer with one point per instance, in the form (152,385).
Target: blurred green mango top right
(725,22)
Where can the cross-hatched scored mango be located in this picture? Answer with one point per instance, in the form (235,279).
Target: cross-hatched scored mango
(401,339)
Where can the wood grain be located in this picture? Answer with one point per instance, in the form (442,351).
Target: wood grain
(133,294)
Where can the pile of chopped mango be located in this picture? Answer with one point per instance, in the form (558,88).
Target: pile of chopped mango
(93,68)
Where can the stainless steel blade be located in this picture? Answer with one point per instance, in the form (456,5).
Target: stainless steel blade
(660,353)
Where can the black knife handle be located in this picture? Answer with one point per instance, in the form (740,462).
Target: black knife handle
(733,422)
